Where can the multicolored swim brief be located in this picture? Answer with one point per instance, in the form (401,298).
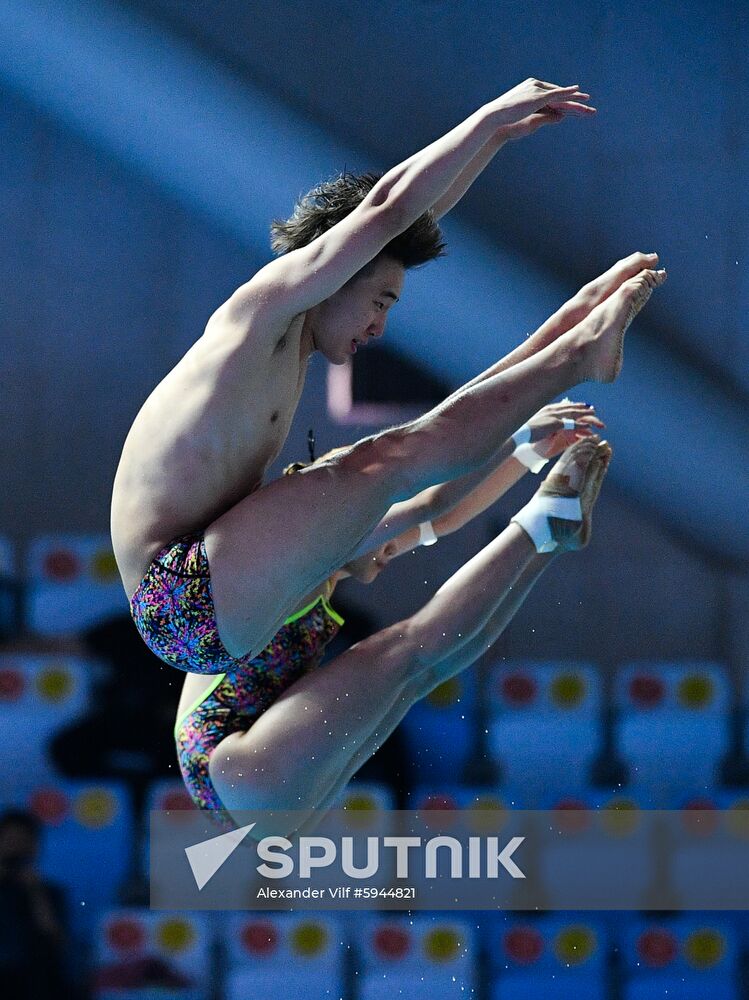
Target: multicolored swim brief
(173,611)
(233,701)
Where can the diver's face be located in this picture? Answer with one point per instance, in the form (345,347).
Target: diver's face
(368,567)
(357,313)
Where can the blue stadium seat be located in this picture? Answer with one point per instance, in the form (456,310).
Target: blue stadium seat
(666,988)
(545,726)
(440,730)
(39,696)
(672,728)
(426,957)
(73,584)
(596,829)
(710,849)
(486,809)
(293,955)
(532,987)
(86,847)
(690,956)
(165,795)
(556,955)
(141,954)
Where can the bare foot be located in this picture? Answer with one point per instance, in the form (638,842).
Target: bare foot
(582,303)
(600,288)
(601,335)
(591,488)
(578,473)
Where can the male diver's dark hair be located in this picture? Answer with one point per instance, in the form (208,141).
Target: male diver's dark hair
(332,200)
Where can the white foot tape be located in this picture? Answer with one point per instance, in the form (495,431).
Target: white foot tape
(534,518)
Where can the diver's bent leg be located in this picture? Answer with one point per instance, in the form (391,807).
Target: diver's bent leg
(297,749)
(277,544)
(424,683)
(509,565)
(469,653)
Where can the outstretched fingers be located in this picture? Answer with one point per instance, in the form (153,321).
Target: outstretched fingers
(583,414)
(586,425)
(574,410)
(554,89)
(532,97)
(535,103)
(563,108)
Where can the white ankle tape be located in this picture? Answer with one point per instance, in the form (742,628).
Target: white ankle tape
(527,455)
(534,518)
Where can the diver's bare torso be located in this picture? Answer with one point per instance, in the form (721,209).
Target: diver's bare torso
(205,437)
